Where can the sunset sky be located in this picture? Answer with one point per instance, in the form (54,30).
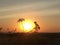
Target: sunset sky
(45,12)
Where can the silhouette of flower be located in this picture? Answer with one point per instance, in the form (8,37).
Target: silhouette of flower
(20,20)
(37,27)
(1,28)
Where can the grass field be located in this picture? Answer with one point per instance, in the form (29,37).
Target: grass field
(30,39)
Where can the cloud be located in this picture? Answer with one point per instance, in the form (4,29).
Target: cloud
(18,4)
(12,7)
(7,16)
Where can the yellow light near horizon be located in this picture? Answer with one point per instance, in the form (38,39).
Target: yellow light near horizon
(27,25)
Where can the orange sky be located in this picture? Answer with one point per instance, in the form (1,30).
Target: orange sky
(46,13)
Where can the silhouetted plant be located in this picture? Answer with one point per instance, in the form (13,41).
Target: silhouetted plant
(9,32)
(20,20)
(1,28)
(14,30)
(7,28)
(37,27)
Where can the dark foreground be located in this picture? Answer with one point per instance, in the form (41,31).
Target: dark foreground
(30,39)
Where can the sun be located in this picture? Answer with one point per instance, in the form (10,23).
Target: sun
(27,25)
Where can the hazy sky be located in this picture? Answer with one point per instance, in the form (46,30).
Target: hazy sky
(45,12)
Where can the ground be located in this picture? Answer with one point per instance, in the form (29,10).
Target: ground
(30,39)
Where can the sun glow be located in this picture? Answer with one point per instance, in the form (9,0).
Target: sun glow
(27,26)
